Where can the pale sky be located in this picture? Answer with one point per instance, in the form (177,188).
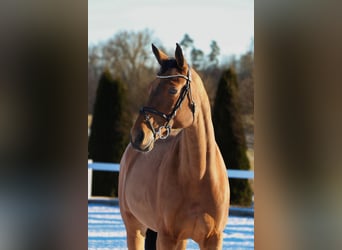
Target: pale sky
(229,22)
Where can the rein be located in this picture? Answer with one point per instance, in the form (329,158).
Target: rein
(186,90)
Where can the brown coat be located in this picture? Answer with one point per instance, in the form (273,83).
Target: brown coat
(178,187)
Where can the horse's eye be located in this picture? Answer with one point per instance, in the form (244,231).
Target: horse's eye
(172,91)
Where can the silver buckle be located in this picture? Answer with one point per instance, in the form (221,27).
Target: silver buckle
(164,136)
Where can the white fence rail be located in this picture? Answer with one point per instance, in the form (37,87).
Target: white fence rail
(115,167)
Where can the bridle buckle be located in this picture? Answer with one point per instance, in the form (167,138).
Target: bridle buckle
(161,135)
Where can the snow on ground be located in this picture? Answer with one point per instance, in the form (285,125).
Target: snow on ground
(106,230)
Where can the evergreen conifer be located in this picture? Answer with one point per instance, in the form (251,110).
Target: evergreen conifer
(230,137)
(109,133)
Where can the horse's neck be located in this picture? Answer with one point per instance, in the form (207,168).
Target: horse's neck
(199,147)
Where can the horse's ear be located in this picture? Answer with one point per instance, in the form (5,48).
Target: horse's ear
(160,55)
(179,56)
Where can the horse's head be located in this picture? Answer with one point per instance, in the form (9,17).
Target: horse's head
(170,104)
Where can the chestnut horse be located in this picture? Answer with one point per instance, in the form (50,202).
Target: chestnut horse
(178,185)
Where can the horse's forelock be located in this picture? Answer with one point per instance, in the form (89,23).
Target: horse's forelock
(168,64)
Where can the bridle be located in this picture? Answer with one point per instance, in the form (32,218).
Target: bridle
(186,90)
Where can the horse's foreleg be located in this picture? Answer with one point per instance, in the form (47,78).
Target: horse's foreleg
(181,245)
(213,242)
(135,240)
(165,242)
(135,232)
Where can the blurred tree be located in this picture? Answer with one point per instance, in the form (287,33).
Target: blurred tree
(229,134)
(246,65)
(91,89)
(246,87)
(251,45)
(187,42)
(197,57)
(128,57)
(109,134)
(210,71)
(95,69)
(214,53)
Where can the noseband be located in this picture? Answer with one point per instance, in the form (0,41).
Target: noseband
(168,117)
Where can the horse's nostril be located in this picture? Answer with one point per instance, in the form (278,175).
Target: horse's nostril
(140,136)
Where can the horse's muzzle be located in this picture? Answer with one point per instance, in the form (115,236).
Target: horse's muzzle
(142,142)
